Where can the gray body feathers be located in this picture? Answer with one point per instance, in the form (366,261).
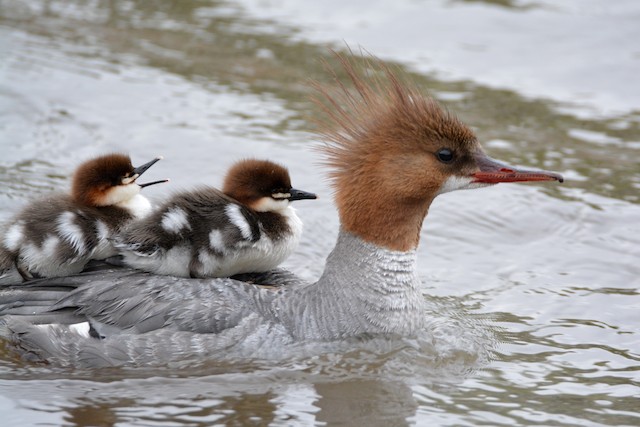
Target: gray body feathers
(153,319)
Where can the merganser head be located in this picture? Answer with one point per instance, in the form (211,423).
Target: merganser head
(392,150)
(262,185)
(109,180)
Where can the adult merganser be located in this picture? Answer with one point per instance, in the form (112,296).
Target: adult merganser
(247,227)
(58,234)
(391,150)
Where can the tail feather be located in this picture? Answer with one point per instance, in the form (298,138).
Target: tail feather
(56,344)
(25,339)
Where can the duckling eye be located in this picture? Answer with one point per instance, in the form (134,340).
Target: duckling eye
(445,155)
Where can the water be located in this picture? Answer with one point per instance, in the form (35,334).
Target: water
(533,289)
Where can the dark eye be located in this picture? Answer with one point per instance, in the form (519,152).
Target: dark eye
(445,155)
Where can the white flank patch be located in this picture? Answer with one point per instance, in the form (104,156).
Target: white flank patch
(14,236)
(237,219)
(175,220)
(268,204)
(138,205)
(81,329)
(174,262)
(459,183)
(216,242)
(71,232)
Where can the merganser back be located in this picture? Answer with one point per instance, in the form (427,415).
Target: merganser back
(247,227)
(391,150)
(58,234)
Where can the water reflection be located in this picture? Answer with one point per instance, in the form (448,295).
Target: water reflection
(373,402)
(511,4)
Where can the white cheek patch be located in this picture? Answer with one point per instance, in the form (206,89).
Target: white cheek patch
(71,232)
(268,204)
(14,236)
(175,220)
(119,194)
(459,183)
(237,219)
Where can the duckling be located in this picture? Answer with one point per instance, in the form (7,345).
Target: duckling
(59,234)
(249,226)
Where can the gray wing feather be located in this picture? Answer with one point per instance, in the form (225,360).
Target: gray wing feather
(139,302)
(150,319)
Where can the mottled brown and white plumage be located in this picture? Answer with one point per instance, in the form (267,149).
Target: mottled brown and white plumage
(58,234)
(249,226)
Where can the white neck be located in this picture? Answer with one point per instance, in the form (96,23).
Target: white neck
(138,206)
(364,289)
(118,194)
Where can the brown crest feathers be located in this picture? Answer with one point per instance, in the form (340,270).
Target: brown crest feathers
(382,109)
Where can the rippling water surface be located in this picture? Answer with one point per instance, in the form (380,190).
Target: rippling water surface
(534,291)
